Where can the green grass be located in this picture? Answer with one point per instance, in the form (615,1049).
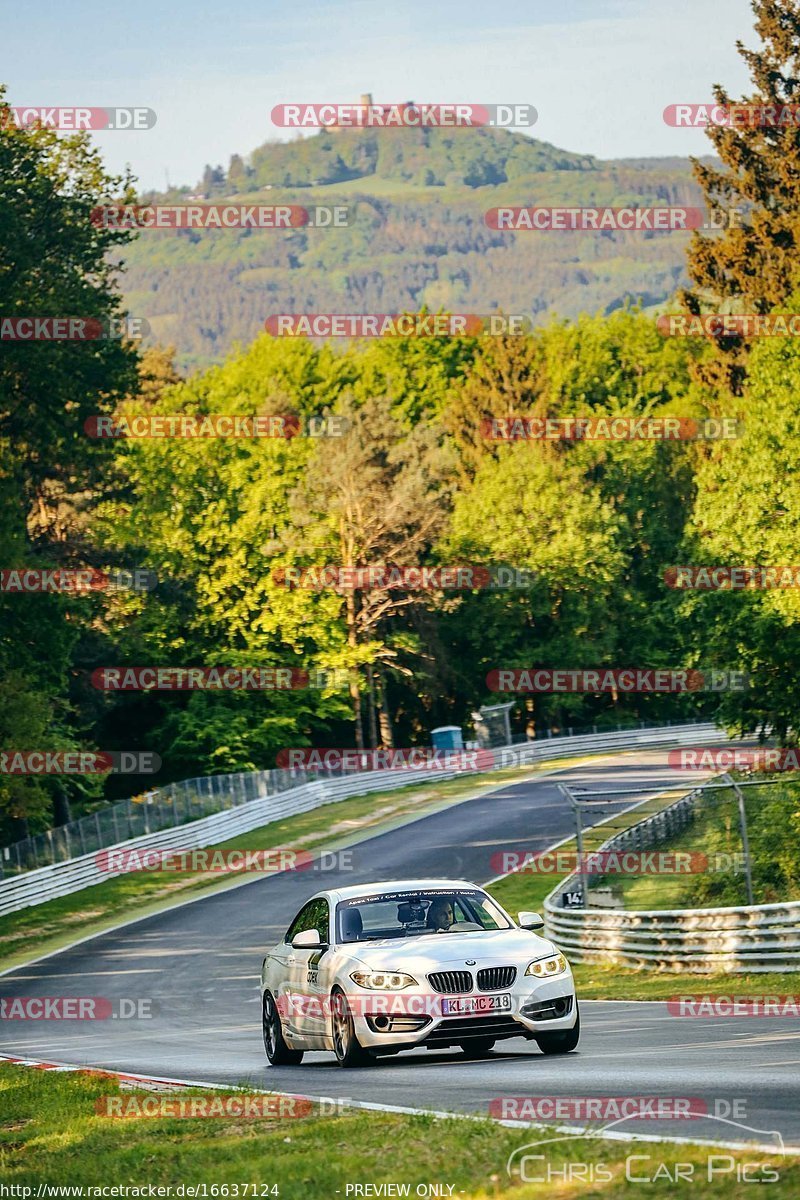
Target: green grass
(56,923)
(594,982)
(50,1133)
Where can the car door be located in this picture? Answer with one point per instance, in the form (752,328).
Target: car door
(306,1016)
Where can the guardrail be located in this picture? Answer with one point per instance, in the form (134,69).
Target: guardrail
(74,874)
(753,939)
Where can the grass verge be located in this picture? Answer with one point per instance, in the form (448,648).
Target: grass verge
(51,1134)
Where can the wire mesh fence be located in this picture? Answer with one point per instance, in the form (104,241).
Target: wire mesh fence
(721,843)
(165,808)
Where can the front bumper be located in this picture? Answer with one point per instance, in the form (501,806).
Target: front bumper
(541,1007)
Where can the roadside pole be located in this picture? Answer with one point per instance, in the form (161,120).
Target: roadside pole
(566,791)
(748,870)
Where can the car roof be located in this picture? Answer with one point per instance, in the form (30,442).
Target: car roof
(398,885)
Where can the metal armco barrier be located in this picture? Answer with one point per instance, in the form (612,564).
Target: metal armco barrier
(751,939)
(63,878)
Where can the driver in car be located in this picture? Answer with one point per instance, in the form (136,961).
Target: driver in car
(440,914)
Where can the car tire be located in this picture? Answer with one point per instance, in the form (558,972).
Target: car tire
(346,1046)
(278,1053)
(562,1042)
(478,1047)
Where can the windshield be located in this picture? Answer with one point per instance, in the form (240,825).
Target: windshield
(413,914)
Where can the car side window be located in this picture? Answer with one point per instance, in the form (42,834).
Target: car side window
(314,915)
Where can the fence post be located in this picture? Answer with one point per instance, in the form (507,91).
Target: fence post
(566,791)
(748,870)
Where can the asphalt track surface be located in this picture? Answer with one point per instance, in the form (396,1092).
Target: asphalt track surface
(198,966)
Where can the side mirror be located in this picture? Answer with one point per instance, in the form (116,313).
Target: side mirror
(530,920)
(307,939)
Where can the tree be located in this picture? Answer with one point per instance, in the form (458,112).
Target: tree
(209,516)
(237,174)
(506,380)
(539,513)
(378,495)
(747,513)
(54,262)
(213,179)
(752,264)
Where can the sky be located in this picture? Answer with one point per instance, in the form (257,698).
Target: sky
(599,72)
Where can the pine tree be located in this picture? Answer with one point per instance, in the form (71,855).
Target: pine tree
(752,265)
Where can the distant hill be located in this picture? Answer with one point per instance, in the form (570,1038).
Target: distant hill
(418,237)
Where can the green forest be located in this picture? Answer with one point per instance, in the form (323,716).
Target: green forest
(410,479)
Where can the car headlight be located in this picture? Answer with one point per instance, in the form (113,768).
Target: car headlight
(554,964)
(383,980)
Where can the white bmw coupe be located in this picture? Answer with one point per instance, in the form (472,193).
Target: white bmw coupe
(383,967)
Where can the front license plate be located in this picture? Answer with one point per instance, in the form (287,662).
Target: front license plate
(476,1004)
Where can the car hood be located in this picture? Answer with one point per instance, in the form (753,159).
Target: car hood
(450,951)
